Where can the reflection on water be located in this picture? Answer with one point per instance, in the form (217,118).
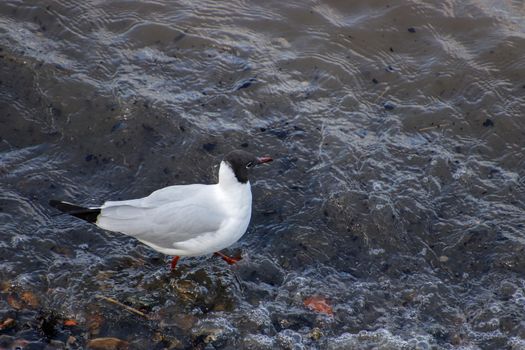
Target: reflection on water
(396,200)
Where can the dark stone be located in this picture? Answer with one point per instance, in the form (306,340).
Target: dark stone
(411,30)
(117,126)
(147,127)
(209,146)
(48,322)
(389,106)
(488,123)
(246,84)
(374,80)
(281,134)
(89,157)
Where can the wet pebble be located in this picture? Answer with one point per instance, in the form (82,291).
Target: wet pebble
(172,343)
(187,291)
(258,342)
(94,322)
(443,258)
(118,126)
(9,342)
(7,323)
(488,123)
(281,134)
(257,320)
(507,290)
(23,300)
(216,332)
(318,304)
(389,106)
(71,342)
(315,334)
(290,340)
(265,271)
(209,147)
(55,345)
(107,343)
(246,84)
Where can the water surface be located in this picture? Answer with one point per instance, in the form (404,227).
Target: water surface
(397,193)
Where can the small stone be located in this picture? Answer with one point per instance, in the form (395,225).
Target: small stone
(70,323)
(319,304)
(14,302)
(488,123)
(94,323)
(209,146)
(315,334)
(5,286)
(411,30)
(185,321)
(246,84)
(7,323)
(375,81)
(71,341)
(186,290)
(443,258)
(507,290)
(174,343)
(389,106)
(55,345)
(107,344)
(455,339)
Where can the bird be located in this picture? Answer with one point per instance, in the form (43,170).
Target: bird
(183,220)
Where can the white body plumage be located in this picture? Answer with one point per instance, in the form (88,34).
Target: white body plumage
(185,220)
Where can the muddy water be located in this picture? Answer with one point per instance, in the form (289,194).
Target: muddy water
(396,197)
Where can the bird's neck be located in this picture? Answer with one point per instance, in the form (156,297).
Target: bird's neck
(228,181)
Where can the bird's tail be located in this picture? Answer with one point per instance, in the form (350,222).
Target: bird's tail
(88,214)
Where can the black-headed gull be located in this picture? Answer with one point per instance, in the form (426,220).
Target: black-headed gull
(183,220)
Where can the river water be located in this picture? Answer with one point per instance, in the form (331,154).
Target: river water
(396,198)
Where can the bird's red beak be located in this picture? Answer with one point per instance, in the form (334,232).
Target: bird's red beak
(263,160)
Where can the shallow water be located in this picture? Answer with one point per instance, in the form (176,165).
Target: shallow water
(397,193)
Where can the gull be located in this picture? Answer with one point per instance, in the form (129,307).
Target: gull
(183,220)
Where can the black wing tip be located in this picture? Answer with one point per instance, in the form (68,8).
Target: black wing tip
(87,214)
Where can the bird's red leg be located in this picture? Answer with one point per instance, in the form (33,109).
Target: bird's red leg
(227,258)
(174,262)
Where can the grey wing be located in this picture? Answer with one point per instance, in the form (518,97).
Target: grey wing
(163,196)
(163,225)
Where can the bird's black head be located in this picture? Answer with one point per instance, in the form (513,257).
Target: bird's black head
(241,162)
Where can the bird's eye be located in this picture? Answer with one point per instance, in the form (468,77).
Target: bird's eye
(249,165)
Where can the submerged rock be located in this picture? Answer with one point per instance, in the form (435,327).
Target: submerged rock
(258,342)
(107,344)
(315,334)
(289,339)
(218,332)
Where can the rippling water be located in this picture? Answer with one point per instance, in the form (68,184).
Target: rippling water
(397,194)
